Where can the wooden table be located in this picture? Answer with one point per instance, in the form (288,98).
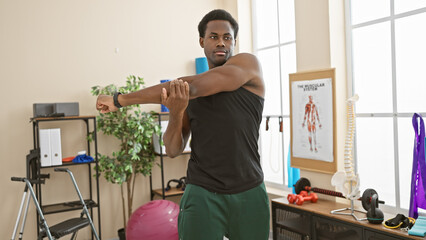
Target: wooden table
(316,213)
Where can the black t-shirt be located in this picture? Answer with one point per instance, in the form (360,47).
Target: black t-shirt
(224,141)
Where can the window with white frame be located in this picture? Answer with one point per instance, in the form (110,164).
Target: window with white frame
(275,46)
(386,49)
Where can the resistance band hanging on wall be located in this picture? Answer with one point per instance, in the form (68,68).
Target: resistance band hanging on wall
(418,176)
(293,174)
(274,167)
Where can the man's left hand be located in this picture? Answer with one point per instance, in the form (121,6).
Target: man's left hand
(178,98)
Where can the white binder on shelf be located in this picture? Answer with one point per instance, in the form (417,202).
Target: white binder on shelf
(55,146)
(45,157)
(156,140)
(50,147)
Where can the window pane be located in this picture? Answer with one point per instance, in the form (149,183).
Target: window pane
(410,64)
(405,155)
(367,10)
(272,151)
(288,65)
(408,5)
(266,23)
(375,158)
(287,25)
(372,68)
(269,60)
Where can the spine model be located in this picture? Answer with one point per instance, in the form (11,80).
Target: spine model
(349,160)
(347,182)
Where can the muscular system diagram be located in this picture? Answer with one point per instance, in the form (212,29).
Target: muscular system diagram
(311,118)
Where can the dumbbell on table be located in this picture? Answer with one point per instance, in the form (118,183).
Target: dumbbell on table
(303,184)
(302,197)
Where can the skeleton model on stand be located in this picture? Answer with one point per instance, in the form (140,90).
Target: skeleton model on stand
(347,182)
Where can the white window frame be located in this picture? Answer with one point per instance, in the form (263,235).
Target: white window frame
(274,117)
(394,114)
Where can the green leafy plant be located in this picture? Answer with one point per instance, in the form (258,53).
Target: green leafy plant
(135,129)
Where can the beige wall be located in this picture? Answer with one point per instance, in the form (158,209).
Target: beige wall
(320,43)
(55,51)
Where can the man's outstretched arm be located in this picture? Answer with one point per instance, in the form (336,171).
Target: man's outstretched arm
(240,70)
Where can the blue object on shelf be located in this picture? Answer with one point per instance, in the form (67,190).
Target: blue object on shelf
(419,228)
(164,108)
(83,158)
(293,173)
(201,65)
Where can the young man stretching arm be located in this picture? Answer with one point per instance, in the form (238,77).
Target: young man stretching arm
(222,109)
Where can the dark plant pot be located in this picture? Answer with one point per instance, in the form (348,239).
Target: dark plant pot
(121,234)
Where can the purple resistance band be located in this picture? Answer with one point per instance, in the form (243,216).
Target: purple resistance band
(418,177)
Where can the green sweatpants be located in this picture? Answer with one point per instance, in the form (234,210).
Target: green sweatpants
(206,215)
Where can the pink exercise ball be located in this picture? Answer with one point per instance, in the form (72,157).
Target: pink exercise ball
(156,220)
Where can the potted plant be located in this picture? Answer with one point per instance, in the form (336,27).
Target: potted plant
(134,129)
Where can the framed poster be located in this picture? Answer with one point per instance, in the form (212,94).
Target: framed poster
(312,120)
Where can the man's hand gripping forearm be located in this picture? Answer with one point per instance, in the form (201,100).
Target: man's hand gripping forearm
(177,132)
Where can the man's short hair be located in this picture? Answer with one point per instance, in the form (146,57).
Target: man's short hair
(217,14)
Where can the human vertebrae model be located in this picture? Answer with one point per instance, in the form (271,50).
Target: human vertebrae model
(347,182)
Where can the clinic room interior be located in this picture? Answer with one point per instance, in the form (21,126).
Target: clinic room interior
(362,63)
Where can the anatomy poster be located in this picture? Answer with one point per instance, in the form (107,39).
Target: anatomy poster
(312,119)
